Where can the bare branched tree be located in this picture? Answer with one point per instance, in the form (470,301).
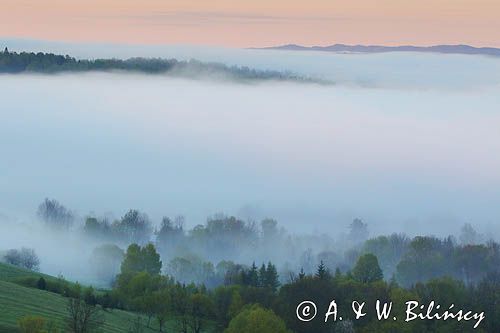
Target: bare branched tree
(83,317)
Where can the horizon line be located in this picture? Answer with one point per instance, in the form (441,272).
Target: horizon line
(283,44)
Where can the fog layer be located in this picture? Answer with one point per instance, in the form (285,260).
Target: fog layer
(389,70)
(412,149)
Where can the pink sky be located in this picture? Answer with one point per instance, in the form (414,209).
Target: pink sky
(255,23)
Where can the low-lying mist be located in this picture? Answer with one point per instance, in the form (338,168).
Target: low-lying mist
(407,142)
(392,70)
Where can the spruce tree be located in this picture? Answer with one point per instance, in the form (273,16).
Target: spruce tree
(262,276)
(322,272)
(253,276)
(272,277)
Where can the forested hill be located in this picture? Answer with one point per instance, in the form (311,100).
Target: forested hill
(29,62)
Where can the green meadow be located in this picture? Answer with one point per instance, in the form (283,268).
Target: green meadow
(17,301)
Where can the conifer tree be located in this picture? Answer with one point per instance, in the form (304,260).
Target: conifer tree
(263,276)
(322,272)
(272,277)
(253,276)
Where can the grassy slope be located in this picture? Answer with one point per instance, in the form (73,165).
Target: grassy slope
(17,301)
(12,273)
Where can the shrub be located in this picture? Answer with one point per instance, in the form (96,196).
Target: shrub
(31,324)
(256,319)
(41,284)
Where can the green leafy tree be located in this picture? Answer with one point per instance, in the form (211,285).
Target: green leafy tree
(160,306)
(488,295)
(256,319)
(179,297)
(132,262)
(152,262)
(367,269)
(472,262)
(222,298)
(426,258)
(236,304)
(139,259)
(201,311)
(388,249)
(146,304)
(313,289)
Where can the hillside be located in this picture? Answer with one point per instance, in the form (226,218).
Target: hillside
(48,63)
(12,273)
(17,301)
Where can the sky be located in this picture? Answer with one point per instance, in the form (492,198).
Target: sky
(255,23)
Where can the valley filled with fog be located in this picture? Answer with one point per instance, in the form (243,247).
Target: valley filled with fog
(406,142)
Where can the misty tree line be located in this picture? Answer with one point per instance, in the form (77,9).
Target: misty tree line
(233,307)
(211,253)
(13,62)
(250,305)
(250,298)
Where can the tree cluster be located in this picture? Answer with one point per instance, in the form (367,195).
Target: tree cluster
(26,258)
(14,62)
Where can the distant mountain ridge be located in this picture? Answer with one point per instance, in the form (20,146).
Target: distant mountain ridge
(450,49)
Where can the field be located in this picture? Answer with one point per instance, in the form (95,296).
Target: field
(11,273)
(17,301)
